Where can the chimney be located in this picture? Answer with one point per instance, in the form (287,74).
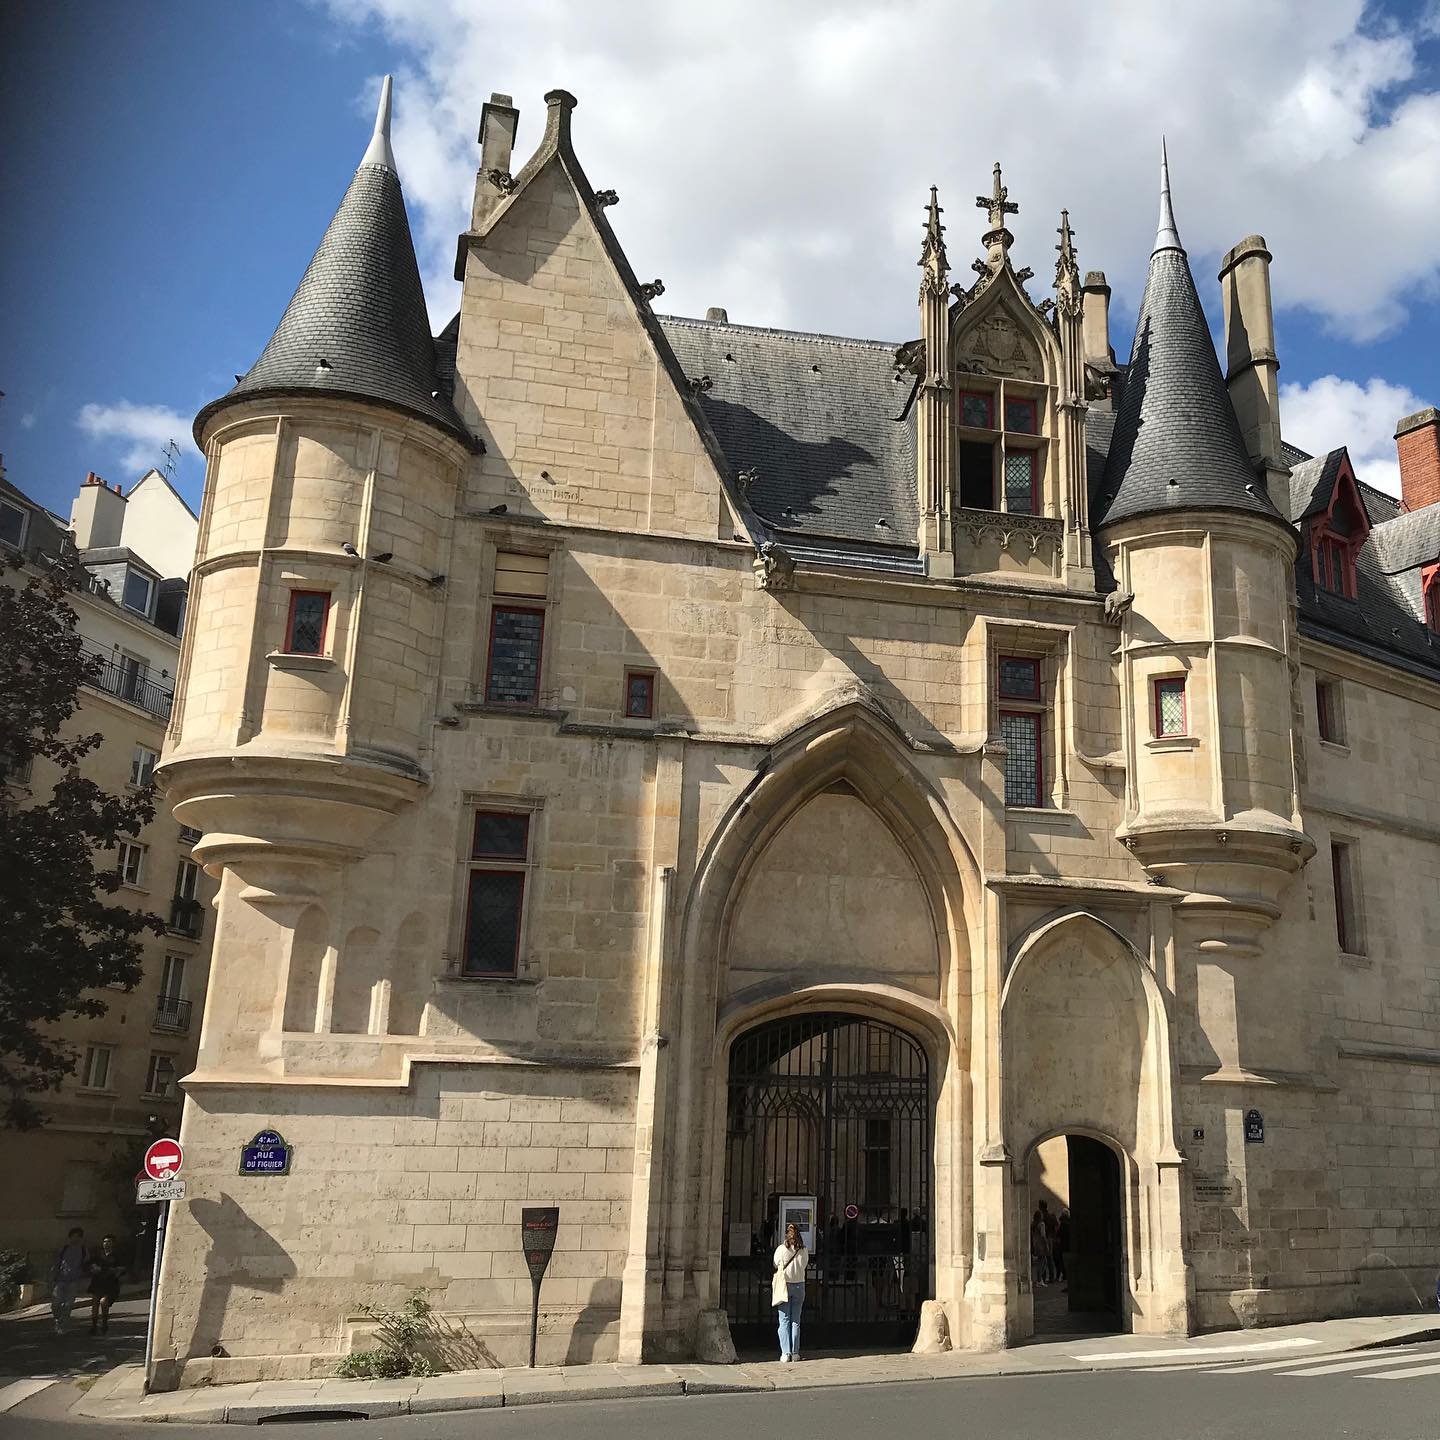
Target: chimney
(1417,443)
(1251,363)
(717,315)
(1095,320)
(498,121)
(98,515)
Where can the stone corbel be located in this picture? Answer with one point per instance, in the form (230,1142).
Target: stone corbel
(774,567)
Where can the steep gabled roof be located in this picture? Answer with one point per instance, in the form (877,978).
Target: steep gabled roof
(1177,444)
(357,326)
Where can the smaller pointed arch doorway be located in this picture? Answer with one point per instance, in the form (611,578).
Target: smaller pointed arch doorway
(829,1114)
(1075,1199)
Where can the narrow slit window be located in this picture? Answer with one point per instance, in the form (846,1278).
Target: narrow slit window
(1020,730)
(1329,714)
(308,622)
(1170,716)
(1348,929)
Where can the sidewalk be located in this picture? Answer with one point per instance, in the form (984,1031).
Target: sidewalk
(117,1395)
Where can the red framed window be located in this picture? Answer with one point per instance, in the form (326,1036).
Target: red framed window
(639,695)
(495,893)
(308,623)
(1020,415)
(1430,581)
(1018,677)
(1022,494)
(512,674)
(1022,728)
(1170,713)
(977,409)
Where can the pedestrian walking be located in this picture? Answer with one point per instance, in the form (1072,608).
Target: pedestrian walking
(787,1291)
(105,1269)
(72,1264)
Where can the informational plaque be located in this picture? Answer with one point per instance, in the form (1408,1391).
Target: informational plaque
(266,1154)
(1254,1128)
(538,1227)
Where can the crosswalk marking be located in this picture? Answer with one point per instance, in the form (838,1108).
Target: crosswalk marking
(1404,1374)
(1368,1362)
(1200,1352)
(11,1395)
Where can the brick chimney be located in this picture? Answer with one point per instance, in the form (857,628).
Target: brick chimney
(498,122)
(1417,442)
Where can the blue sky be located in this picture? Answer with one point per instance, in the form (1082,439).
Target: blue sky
(171,166)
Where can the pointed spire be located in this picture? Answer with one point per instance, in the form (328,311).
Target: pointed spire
(1067,269)
(1167,237)
(379,152)
(997,240)
(356,326)
(933,259)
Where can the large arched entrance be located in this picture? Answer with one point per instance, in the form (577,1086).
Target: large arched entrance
(828,1117)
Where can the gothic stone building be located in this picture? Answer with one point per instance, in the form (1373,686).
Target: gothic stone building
(688,773)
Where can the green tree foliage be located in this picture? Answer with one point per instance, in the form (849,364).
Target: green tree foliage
(61,941)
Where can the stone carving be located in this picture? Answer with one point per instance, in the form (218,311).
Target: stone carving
(1021,531)
(933,260)
(502,180)
(746,478)
(1067,269)
(606,198)
(774,567)
(995,346)
(910,358)
(653,289)
(700,384)
(1117,603)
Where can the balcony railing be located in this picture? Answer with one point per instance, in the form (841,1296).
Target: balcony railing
(131,685)
(186,917)
(172,1015)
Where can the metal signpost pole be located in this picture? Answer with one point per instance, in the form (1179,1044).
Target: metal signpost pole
(155,1291)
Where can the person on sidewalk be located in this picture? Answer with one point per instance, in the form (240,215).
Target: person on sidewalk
(791,1258)
(72,1264)
(105,1270)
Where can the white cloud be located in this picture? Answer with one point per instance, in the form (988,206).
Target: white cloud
(774,156)
(136,435)
(28,419)
(1330,412)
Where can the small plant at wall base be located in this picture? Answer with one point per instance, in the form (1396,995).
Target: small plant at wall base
(401,1339)
(14,1272)
(61,942)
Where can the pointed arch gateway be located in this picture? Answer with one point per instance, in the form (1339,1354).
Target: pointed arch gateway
(841,835)
(1086,1060)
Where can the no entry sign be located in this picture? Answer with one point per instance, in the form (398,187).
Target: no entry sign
(163,1160)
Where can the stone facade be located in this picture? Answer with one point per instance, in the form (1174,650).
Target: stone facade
(801,812)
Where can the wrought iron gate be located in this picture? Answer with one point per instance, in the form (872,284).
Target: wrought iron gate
(833,1109)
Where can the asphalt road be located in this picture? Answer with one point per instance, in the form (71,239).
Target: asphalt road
(1274,1403)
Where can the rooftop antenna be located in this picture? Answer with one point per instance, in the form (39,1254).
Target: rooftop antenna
(172,458)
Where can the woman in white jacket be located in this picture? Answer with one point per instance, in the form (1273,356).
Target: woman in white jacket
(791,1258)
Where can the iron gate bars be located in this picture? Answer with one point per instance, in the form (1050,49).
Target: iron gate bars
(834,1107)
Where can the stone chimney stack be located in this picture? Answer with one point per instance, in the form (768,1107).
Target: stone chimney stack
(1417,442)
(1096,320)
(98,515)
(498,121)
(1252,365)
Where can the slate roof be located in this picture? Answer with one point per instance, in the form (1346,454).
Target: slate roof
(1176,443)
(1407,542)
(1312,483)
(815,417)
(357,325)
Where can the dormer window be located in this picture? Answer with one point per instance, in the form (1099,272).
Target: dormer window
(12,524)
(1000,450)
(1430,589)
(1337,534)
(138,591)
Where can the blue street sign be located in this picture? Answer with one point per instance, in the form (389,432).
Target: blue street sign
(266,1154)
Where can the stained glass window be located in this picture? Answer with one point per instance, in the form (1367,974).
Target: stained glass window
(639,694)
(977,409)
(514,675)
(492,922)
(1019,678)
(1170,706)
(1020,731)
(1020,416)
(305,634)
(1020,482)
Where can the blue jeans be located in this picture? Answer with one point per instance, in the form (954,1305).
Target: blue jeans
(790,1319)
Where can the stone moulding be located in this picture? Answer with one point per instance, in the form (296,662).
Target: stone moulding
(1009,529)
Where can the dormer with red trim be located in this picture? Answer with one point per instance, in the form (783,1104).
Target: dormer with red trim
(1430,590)
(1335,534)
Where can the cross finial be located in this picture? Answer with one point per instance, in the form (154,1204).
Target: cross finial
(997,205)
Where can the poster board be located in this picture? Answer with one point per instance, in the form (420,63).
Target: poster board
(798,1210)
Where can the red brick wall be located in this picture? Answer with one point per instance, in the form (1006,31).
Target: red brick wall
(1417,440)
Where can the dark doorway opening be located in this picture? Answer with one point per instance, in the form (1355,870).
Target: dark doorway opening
(1078,1181)
(828,1115)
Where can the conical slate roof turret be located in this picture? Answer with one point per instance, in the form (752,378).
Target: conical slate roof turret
(1177,443)
(357,325)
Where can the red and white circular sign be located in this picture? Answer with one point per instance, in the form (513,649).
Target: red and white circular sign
(163,1160)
